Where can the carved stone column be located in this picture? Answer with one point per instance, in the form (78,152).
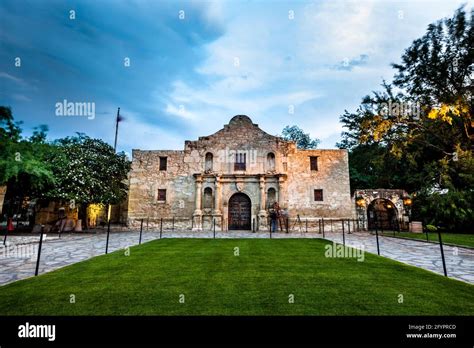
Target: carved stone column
(262,196)
(197,216)
(217,196)
(281,183)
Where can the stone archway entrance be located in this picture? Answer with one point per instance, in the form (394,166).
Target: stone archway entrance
(382,213)
(239,212)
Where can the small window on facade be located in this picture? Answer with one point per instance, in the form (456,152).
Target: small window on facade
(209,160)
(163,163)
(313,160)
(318,195)
(271,161)
(208,202)
(240,161)
(162,195)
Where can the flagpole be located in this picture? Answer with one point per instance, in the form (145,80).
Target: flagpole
(116,129)
(109,210)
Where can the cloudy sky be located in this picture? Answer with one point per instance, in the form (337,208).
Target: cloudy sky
(180,70)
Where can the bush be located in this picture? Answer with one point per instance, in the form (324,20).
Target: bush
(452,211)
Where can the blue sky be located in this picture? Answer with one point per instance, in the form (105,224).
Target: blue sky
(188,76)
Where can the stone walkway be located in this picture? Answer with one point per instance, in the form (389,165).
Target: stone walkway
(18,257)
(459,261)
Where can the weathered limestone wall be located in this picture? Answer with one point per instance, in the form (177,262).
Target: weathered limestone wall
(332,177)
(50,212)
(146,179)
(240,136)
(288,174)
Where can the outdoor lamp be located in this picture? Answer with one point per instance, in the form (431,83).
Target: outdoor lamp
(360,201)
(407,201)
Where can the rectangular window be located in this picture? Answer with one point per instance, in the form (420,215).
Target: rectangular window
(163,163)
(162,195)
(313,160)
(240,161)
(318,195)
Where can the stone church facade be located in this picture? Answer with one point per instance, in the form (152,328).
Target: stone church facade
(234,176)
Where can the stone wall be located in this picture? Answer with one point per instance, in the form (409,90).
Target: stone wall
(332,177)
(271,163)
(146,178)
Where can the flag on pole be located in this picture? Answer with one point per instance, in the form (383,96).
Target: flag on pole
(119,118)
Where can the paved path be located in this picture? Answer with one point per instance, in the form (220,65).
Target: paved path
(459,261)
(18,257)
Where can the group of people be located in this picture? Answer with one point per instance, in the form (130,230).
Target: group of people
(278,217)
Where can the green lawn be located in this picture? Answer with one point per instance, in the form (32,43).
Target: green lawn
(451,238)
(215,282)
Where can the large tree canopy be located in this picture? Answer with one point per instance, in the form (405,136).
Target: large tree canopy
(76,169)
(88,171)
(22,160)
(417,134)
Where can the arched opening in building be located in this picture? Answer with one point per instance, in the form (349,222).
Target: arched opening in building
(271,161)
(207,198)
(208,162)
(239,212)
(382,214)
(271,197)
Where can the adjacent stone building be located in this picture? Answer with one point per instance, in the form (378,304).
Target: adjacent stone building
(234,176)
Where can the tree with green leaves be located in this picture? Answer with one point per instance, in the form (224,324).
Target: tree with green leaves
(79,170)
(419,131)
(23,166)
(87,171)
(303,140)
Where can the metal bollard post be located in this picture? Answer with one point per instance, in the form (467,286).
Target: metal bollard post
(343,234)
(214,227)
(39,250)
(287,222)
(253,225)
(306,230)
(141,229)
(172,228)
(442,253)
(377,237)
(108,234)
(270,227)
(161,226)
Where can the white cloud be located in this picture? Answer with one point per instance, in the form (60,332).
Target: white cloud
(283,62)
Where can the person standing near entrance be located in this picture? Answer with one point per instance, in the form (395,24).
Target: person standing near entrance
(274,216)
(273,220)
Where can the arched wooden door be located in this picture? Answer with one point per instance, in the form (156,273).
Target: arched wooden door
(239,212)
(382,213)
